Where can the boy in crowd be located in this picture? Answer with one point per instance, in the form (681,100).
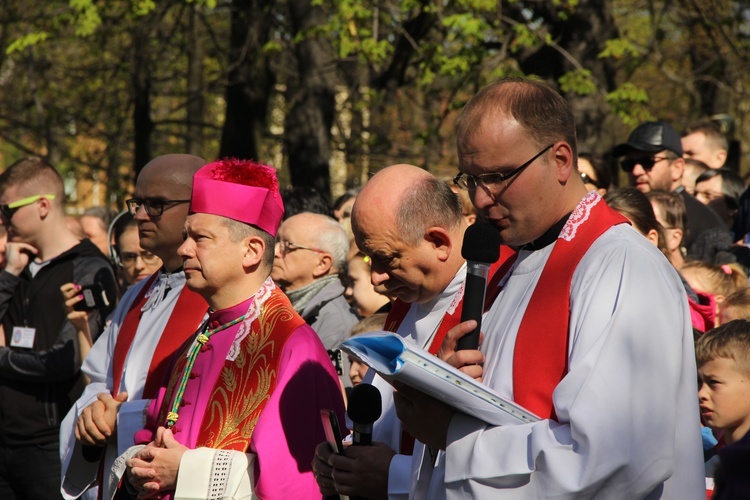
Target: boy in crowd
(723,359)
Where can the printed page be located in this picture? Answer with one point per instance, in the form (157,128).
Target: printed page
(394,358)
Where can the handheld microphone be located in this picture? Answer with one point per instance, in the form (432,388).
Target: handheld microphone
(364,409)
(481,248)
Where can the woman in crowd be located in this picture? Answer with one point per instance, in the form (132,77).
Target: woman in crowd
(669,209)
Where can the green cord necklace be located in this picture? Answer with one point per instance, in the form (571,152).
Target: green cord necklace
(202,339)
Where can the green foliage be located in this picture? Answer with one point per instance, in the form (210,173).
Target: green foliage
(376,51)
(477,5)
(143,7)
(564,8)
(81,95)
(466,25)
(272,47)
(209,4)
(578,81)
(86,17)
(617,48)
(525,38)
(24,41)
(629,102)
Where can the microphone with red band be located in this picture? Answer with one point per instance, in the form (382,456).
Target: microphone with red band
(481,249)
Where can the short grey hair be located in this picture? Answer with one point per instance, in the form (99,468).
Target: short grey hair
(105,215)
(331,237)
(429,202)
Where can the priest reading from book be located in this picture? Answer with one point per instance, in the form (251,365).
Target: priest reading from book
(590,331)
(409,224)
(240,414)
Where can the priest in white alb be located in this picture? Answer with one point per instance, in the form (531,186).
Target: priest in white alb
(590,330)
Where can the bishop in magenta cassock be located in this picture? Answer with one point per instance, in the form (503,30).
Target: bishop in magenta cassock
(240,414)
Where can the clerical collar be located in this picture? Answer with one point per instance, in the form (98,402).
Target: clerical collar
(548,237)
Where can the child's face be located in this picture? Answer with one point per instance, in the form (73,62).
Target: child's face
(724,398)
(360,292)
(357,371)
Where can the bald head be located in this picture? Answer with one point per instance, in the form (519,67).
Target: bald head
(408,198)
(176,169)
(324,233)
(386,188)
(168,179)
(409,223)
(311,247)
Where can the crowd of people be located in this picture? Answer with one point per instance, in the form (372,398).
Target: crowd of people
(185,347)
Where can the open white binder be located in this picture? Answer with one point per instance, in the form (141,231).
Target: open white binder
(396,358)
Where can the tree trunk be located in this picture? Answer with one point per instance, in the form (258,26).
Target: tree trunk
(309,121)
(583,35)
(250,80)
(143,126)
(195,103)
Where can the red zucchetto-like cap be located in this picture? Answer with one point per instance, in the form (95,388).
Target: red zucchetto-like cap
(241,190)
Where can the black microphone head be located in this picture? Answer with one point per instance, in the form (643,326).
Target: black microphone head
(364,404)
(481,243)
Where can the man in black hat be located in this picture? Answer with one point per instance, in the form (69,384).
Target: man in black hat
(653,159)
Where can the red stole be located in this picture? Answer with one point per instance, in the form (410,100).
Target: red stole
(245,384)
(185,318)
(540,358)
(398,312)
(399,309)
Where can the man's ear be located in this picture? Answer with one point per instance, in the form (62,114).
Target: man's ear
(255,248)
(564,161)
(441,242)
(44,207)
(674,239)
(722,156)
(324,265)
(678,168)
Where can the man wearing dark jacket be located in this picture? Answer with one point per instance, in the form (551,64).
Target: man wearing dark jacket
(653,160)
(39,359)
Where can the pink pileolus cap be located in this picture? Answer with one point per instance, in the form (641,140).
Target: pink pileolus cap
(242,190)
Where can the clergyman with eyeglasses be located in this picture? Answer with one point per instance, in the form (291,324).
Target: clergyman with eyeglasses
(653,159)
(127,364)
(589,330)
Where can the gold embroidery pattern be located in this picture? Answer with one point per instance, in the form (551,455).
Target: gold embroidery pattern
(247,383)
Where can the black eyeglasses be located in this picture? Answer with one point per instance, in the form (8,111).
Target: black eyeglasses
(10,209)
(154,206)
(470,182)
(588,180)
(647,162)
